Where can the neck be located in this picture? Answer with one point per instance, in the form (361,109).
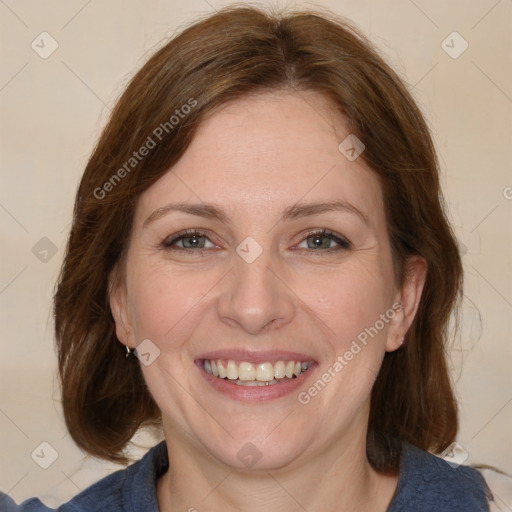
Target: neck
(339,478)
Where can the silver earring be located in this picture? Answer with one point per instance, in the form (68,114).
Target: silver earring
(128,351)
(402,340)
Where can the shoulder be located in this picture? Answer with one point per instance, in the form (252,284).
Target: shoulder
(130,489)
(428,483)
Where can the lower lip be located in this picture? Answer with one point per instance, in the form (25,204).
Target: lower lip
(255,393)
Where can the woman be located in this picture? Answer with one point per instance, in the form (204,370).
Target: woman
(260,264)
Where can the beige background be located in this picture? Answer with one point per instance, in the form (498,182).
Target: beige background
(52,111)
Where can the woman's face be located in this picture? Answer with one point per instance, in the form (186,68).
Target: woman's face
(260,289)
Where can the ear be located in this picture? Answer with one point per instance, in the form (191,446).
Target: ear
(407,301)
(119,306)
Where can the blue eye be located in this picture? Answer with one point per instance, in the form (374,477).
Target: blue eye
(321,240)
(191,239)
(317,241)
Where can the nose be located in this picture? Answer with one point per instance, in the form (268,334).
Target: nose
(255,296)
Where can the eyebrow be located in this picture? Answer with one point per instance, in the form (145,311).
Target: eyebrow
(296,211)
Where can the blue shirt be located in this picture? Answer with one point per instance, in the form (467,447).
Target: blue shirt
(426,484)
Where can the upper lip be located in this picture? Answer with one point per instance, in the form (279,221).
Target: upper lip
(256,356)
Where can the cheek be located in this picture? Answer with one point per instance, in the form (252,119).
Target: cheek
(350,300)
(352,307)
(161,301)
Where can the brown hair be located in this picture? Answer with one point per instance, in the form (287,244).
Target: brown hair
(226,56)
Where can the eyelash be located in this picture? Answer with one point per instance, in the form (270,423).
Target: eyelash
(343,243)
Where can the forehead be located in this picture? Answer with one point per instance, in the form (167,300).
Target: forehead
(265,152)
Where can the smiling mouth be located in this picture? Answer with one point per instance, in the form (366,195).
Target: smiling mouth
(243,373)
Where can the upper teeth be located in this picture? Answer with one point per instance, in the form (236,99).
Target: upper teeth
(249,372)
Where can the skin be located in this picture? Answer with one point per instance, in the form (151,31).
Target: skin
(255,157)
